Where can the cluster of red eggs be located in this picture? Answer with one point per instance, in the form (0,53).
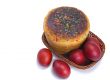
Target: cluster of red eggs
(89,51)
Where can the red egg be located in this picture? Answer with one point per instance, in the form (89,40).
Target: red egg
(78,57)
(92,51)
(61,68)
(44,57)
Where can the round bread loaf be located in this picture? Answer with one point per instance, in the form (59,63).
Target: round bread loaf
(66,28)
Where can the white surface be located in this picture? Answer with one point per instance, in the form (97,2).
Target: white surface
(21,28)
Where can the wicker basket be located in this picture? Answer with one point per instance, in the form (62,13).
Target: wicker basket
(64,57)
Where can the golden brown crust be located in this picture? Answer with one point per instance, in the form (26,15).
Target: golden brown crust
(64,45)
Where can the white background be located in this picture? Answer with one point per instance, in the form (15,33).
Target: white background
(21,28)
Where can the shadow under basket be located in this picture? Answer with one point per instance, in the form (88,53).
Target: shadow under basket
(64,57)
